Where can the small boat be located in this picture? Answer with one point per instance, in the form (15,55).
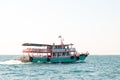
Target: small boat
(45,53)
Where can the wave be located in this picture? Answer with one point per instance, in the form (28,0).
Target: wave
(13,62)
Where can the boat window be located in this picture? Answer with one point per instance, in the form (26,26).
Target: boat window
(57,54)
(60,54)
(59,47)
(54,54)
(63,54)
(55,47)
(67,47)
(63,47)
(67,54)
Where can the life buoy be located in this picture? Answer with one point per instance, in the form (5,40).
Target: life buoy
(77,57)
(72,57)
(31,59)
(48,59)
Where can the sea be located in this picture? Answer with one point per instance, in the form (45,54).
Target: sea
(95,67)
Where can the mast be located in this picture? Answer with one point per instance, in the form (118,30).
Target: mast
(61,40)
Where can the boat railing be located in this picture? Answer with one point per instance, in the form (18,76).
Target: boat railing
(33,50)
(71,50)
(64,50)
(58,50)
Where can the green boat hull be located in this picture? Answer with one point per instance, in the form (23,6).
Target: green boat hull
(58,59)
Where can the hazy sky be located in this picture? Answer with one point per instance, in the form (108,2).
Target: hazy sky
(92,25)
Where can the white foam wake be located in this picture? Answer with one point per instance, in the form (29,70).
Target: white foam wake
(13,62)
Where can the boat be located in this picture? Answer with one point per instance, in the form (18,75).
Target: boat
(55,53)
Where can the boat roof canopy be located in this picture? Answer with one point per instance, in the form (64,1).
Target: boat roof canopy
(34,44)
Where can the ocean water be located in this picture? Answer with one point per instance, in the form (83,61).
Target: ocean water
(95,67)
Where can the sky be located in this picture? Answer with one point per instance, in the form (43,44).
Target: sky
(91,25)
